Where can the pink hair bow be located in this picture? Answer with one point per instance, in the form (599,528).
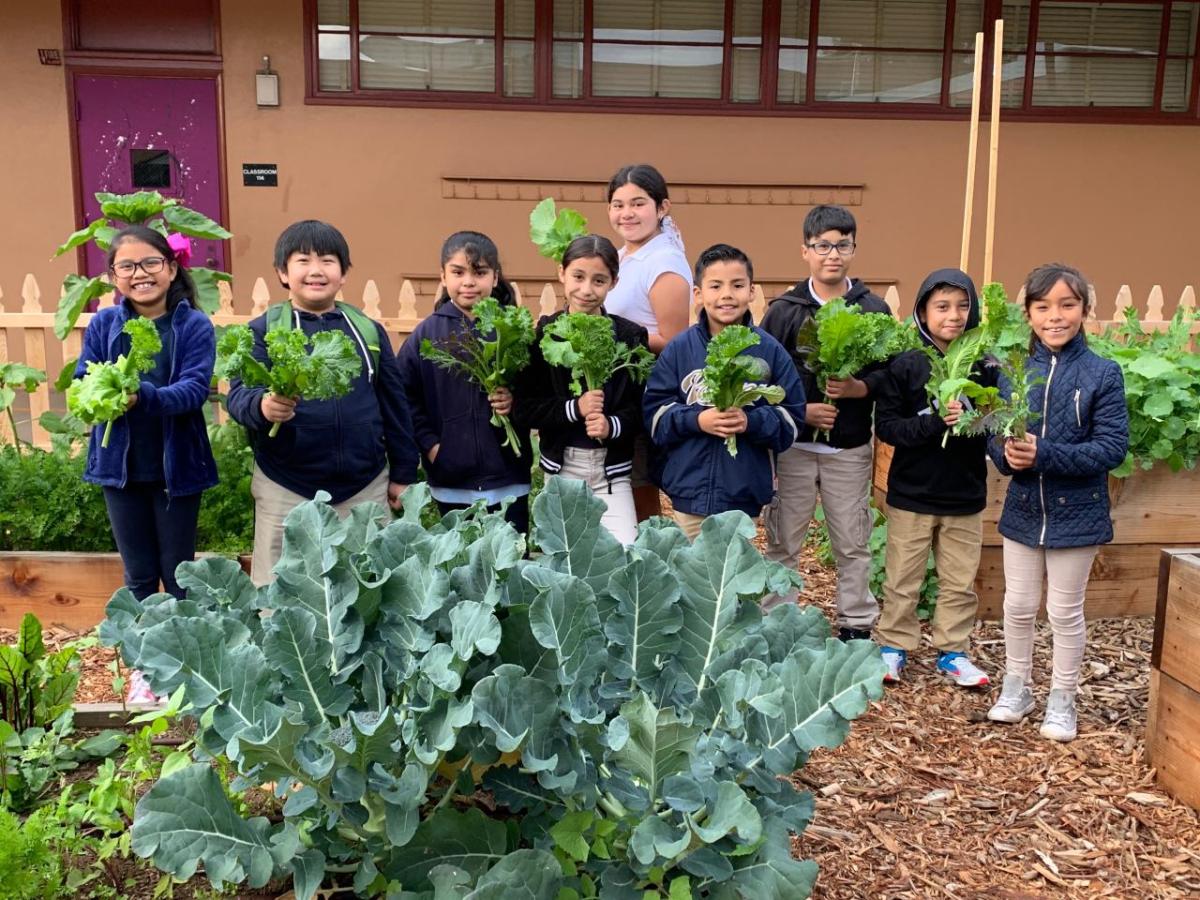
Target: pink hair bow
(182,247)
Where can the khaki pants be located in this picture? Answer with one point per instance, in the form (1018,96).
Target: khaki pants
(688,522)
(1066,574)
(842,480)
(272,503)
(955,541)
(587,466)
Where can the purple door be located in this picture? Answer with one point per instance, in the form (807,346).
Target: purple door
(155,134)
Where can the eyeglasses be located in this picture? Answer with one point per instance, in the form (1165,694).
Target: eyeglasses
(822,248)
(151,265)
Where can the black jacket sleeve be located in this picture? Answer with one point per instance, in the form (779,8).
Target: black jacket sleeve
(393,407)
(898,405)
(538,398)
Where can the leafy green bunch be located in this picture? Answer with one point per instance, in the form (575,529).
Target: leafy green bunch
(733,379)
(443,717)
(552,233)
(102,394)
(1003,335)
(318,369)
(841,339)
(1162,389)
(489,354)
(588,346)
(149,208)
(16,376)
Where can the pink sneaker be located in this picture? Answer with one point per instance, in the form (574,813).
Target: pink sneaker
(139,693)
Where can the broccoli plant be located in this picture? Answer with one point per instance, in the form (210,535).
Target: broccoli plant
(445,718)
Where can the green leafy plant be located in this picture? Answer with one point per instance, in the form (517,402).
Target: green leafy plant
(226,520)
(587,345)
(444,717)
(1010,415)
(47,504)
(14,377)
(552,233)
(1162,389)
(490,362)
(319,368)
(149,208)
(733,379)
(35,857)
(36,685)
(102,395)
(841,340)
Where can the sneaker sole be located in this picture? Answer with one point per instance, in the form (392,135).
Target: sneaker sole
(1052,734)
(1009,717)
(984,683)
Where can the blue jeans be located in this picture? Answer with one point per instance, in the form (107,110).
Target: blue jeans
(154,534)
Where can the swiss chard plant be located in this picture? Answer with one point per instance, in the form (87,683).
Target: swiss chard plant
(732,378)
(552,232)
(149,208)
(587,345)
(15,377)
(318,368)
(444,718)
(489,353)
(1162,389)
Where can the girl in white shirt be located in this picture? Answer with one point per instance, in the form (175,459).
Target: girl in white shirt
(655,285)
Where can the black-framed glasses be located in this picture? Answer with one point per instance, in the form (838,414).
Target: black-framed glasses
(151,265)
(823,248)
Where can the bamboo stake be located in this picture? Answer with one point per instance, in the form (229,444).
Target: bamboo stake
(993,151)
(972,144)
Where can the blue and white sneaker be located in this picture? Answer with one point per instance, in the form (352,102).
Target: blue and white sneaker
(895,659)
(959,667)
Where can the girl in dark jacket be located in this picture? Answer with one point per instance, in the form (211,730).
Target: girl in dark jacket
(589,437)
(460,448)
(1056,513)
(158,459)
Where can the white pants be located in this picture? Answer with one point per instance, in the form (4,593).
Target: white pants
(620,517)
(1066,574)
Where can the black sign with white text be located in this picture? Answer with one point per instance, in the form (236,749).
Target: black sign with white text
(260,174)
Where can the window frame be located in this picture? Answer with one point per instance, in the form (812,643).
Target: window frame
(769,46)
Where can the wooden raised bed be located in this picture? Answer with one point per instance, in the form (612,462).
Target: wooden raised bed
(69,589)
(1150,509)
(1173,720)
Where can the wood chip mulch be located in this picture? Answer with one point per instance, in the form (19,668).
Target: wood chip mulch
(927,799)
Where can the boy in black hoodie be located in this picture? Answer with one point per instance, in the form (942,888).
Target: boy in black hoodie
(838,467)
(936,495)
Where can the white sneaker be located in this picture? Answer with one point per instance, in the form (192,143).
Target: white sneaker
(139,693)
(959,668)
(1014,703)
(1059,723)
(894,658)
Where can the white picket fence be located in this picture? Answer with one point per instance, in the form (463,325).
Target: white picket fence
(27,333)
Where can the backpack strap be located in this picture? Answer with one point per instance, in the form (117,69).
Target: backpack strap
(362,326)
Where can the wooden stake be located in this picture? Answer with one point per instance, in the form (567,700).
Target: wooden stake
(993,151)
(972,144)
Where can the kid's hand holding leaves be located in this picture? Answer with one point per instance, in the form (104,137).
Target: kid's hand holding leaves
(102,395)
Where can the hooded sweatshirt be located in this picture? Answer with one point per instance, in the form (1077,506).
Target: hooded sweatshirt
(783,320)
(926,477)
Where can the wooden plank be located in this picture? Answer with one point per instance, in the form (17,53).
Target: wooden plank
(39,400)
(68,589)
(1156,507)
(111,714)
(1180,624)
(1173,737)
(1164,581)
(1124,582)
(6,432)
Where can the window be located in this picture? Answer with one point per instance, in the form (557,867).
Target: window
(150,168)
(1132,59)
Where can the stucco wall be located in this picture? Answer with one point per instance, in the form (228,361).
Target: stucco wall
(1118,201)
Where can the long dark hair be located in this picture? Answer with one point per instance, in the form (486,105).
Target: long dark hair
(479,248)
(1042,280)
(645,176)
(182,287)
(593,246)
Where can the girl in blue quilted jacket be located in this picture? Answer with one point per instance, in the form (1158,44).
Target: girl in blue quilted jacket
(1056,513)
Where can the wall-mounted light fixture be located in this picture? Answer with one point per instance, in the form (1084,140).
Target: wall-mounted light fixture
(266,85)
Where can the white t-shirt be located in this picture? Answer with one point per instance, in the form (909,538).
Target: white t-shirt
(819,446)
(639,270)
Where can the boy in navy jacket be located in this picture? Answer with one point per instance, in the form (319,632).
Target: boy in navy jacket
(358,447)
(699,474)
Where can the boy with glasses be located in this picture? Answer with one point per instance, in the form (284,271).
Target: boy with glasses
(837,466)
